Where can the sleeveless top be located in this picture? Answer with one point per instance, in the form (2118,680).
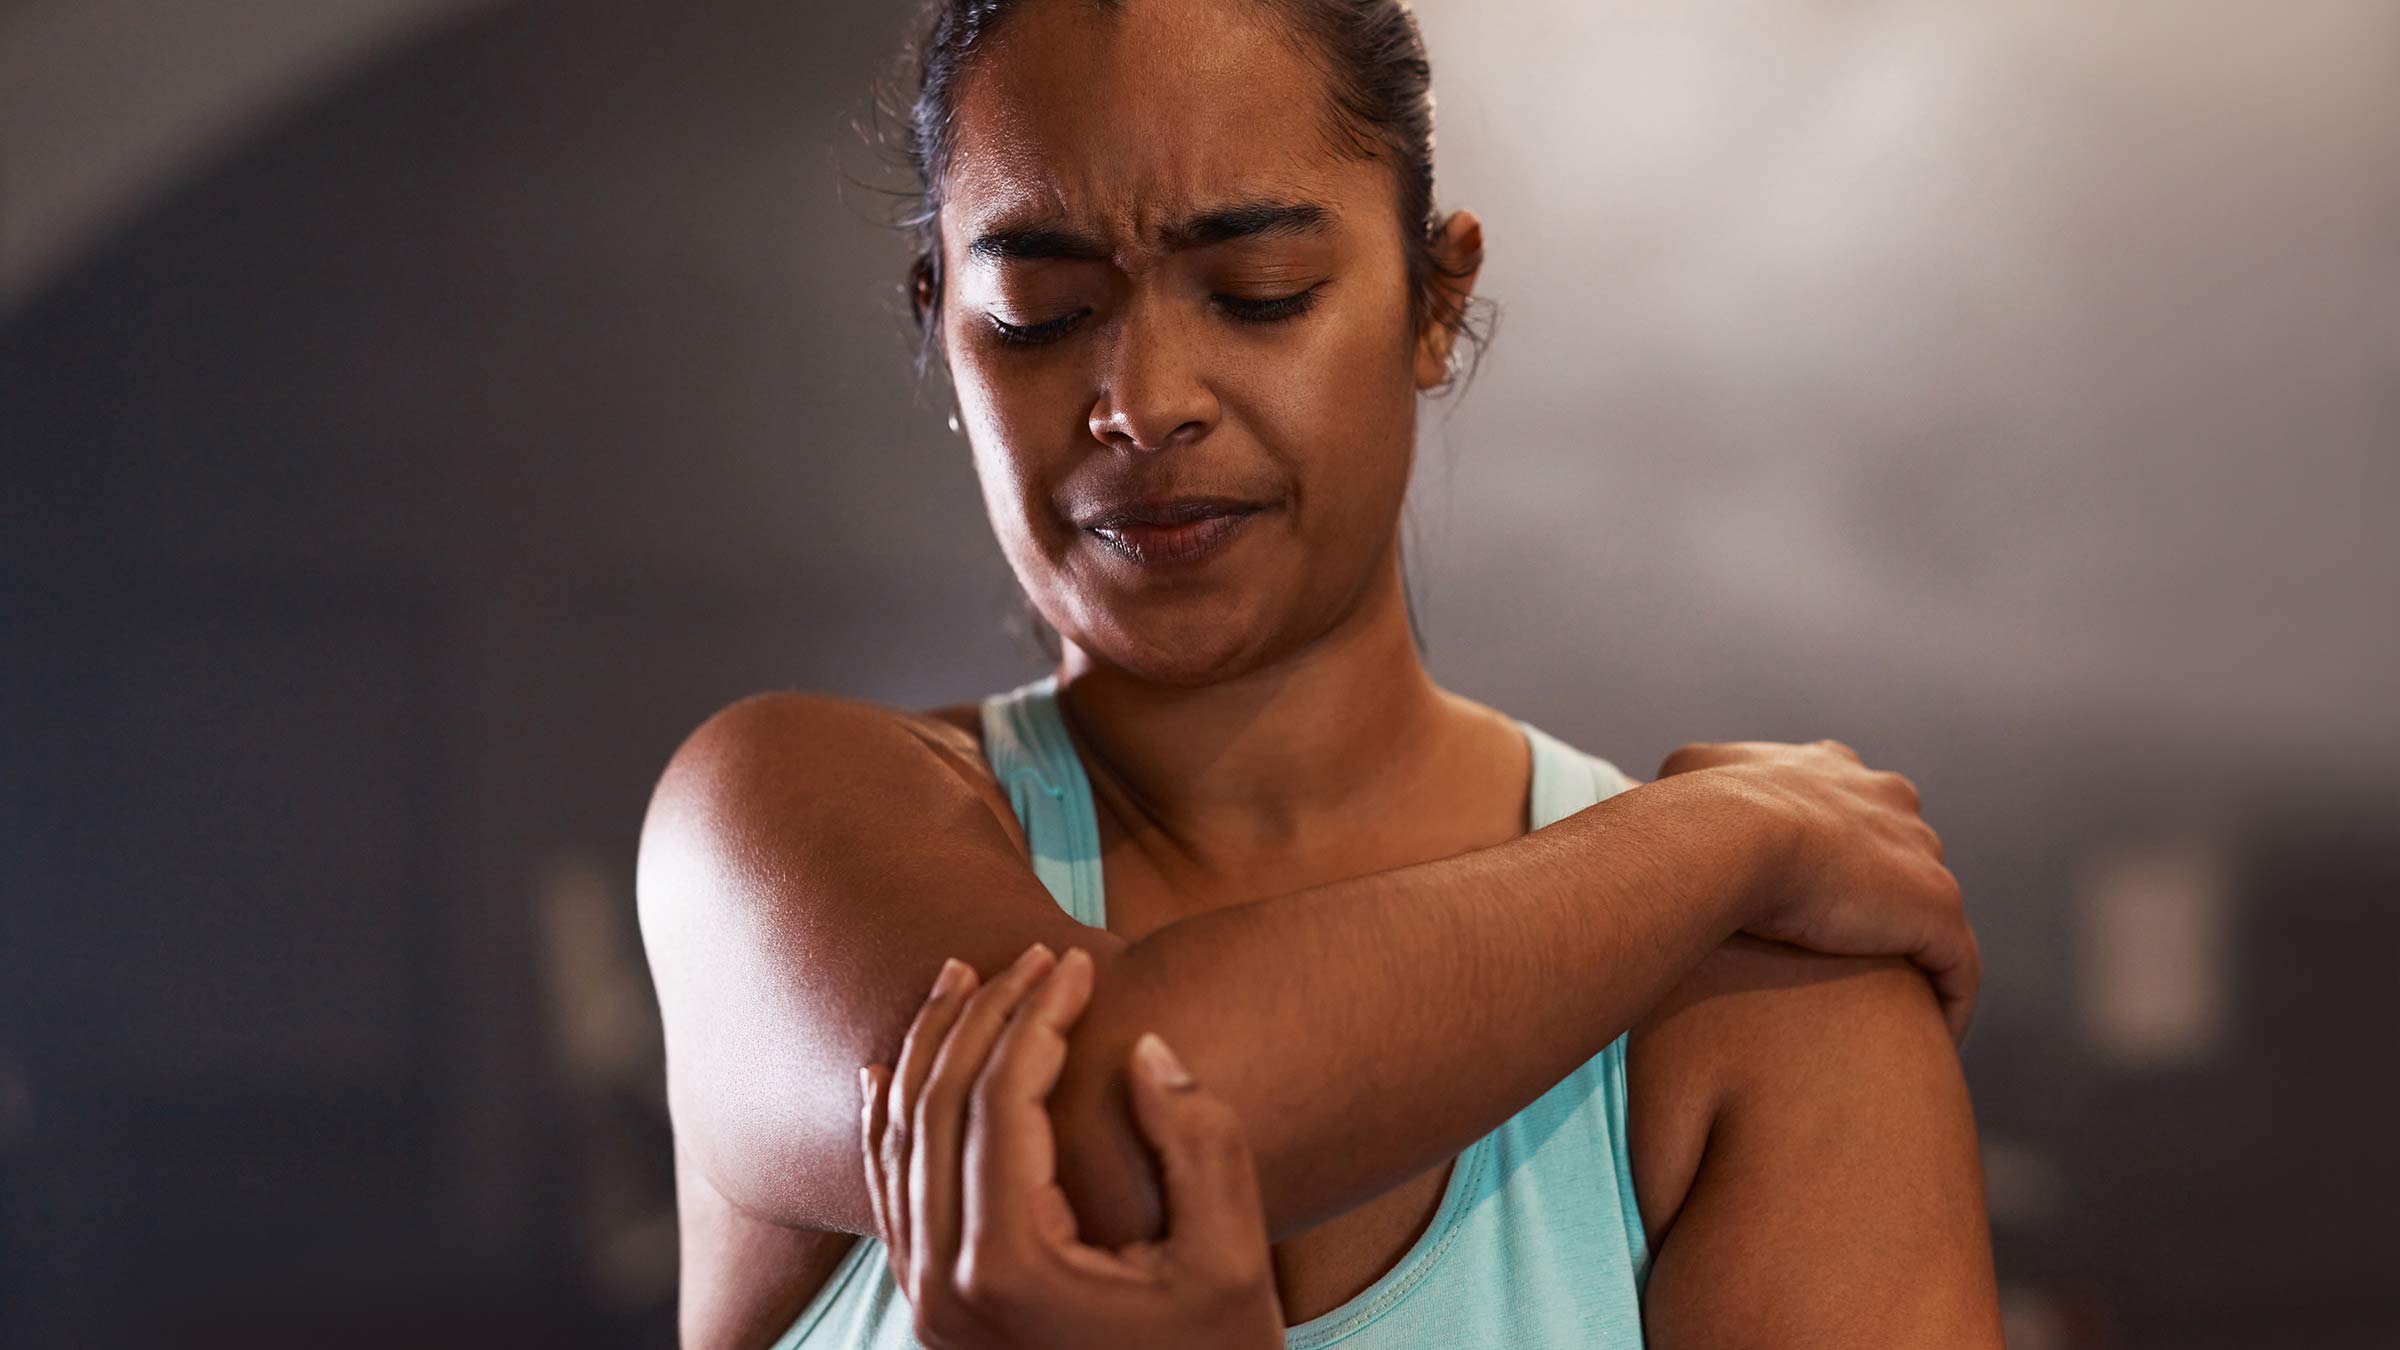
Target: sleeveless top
(1537,1243)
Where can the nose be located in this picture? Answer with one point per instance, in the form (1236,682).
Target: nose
(1153,393)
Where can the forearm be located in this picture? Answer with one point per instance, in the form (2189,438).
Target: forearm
(1366,1030)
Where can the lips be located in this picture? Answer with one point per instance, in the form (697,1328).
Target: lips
(1169,531)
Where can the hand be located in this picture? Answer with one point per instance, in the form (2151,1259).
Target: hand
(962,1172)
(1866,878)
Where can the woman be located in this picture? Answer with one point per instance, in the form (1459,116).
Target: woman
(1493,1028)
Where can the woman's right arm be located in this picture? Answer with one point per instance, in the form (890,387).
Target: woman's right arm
(808,863)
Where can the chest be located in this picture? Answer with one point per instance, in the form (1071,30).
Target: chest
(1327,1266)
(1480,805)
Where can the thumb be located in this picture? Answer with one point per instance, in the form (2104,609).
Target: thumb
(1215,1219)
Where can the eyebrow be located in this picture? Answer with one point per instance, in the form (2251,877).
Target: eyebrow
(1241,220)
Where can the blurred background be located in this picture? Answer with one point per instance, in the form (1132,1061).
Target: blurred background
(420,414)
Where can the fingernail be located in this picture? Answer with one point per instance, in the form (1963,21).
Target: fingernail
(866,1087)
(954,974)
(1033,955)
(1160,1062)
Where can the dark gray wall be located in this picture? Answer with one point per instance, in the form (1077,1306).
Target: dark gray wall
(2014,394)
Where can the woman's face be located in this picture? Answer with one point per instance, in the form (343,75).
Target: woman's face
(1170,297)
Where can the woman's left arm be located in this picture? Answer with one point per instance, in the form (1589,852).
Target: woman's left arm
(1805,1157)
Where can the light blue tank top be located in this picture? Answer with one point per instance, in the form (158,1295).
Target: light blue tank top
(1537,1244)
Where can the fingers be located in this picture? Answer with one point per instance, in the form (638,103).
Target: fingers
(1013,1201)
(1716,754)
(925,1033)
(933,1182)
(1956,984)
(871,1081)
(1215,1219)
(1696,755)
(1951,956)
(1839,748)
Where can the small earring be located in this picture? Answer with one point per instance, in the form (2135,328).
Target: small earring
(954,421)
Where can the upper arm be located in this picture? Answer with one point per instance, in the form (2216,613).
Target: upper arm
(1804,1142)
(806,865)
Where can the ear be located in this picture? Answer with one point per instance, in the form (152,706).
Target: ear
(1458,258)
(924,296)
(922,285)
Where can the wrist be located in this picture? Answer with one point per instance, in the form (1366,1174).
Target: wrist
(1777,842)
(1750,835)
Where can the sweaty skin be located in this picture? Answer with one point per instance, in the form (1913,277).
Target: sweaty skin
(1283,789)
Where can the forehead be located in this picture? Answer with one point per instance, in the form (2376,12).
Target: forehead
(1131,118)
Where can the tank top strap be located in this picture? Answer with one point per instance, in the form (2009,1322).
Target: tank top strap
(1025,740)
(1565,779)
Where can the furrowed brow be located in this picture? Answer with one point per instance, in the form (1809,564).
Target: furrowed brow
(1250,220)
(1242,220)
(1033,244)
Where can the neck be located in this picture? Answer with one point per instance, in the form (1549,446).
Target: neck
(1254,763)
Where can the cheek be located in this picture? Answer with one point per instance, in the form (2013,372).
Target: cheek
(1011,420)
(1022,398)
(1015,486)
(1340,411)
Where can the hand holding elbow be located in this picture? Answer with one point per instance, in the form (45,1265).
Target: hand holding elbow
(1110,1176)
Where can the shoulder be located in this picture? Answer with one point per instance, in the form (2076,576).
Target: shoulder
(793,761)
(1560,762)
(1782,997)
(1805,1159)
(829,728)
(791,735)
(1774,1032)
(805,865)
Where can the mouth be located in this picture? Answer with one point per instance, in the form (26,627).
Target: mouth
(1167,532)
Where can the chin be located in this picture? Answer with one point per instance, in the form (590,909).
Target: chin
(1184,651)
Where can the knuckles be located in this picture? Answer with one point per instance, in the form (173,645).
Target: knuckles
(953,1308)
(942,1098)
(1689,756)
(990,1278)
(1208,1119)
(983,1097)
(1213,1131)
(937,1328)
(1226,1281)
(944,1319)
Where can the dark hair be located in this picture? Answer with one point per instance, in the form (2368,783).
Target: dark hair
(1373,60)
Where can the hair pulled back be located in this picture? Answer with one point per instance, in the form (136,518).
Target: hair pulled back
(1381,106)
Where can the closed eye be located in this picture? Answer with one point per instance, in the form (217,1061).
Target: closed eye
(1270,310)
(1034,335)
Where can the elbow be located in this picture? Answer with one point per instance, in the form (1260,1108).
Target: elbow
(1108,1174)
(1105,1167)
